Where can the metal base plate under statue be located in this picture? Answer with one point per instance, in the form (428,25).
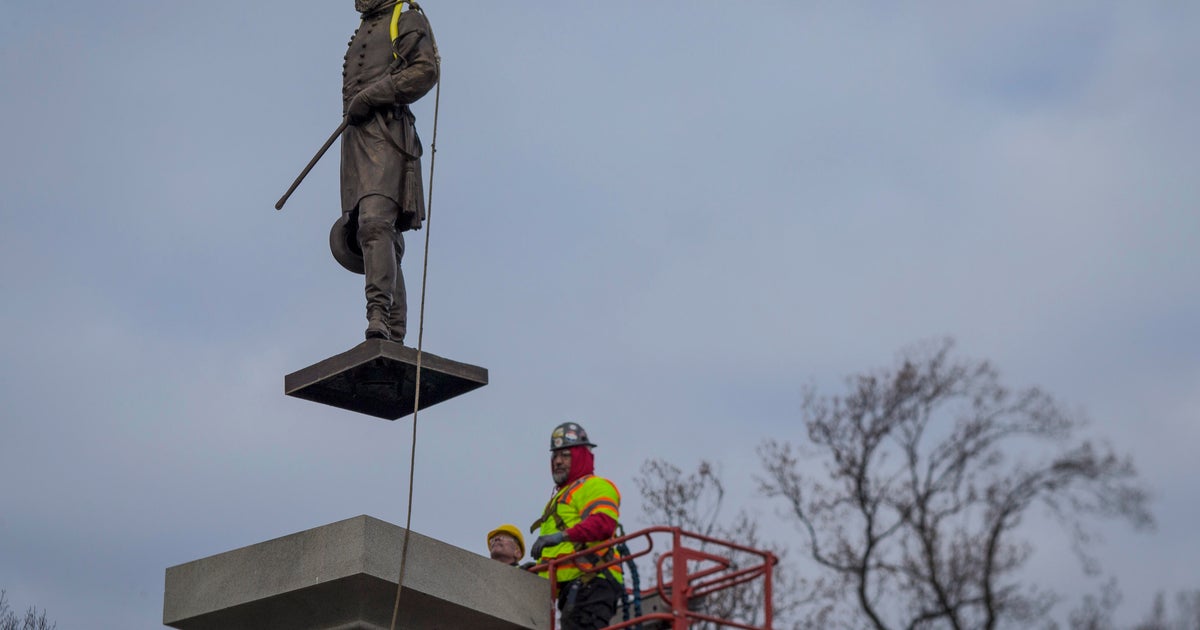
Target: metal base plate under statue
(378,378)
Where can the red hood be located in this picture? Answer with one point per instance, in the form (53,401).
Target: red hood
(582,463)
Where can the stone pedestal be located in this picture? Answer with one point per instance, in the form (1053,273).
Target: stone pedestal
(378,378)
(342,576)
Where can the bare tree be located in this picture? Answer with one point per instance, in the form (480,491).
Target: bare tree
(1095,612)
(1186,616)
(9,620)
(930,470)
(695,502)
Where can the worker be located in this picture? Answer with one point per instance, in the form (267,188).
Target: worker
(582,514)
(506,544)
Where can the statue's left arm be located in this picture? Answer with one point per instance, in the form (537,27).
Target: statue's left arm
(410,77)
(419,72)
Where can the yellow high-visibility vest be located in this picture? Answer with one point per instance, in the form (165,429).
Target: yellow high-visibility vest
(580,499)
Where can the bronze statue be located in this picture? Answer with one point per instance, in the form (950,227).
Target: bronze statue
(392,61)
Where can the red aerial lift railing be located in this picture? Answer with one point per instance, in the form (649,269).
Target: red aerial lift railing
(713,572)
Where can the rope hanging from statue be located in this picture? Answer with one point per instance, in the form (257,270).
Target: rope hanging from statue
(412,457)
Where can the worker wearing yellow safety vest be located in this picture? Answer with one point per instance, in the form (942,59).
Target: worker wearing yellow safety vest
(582,514)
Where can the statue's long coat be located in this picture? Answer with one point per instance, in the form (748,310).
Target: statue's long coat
(382,156)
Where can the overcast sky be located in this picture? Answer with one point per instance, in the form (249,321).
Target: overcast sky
(658,219)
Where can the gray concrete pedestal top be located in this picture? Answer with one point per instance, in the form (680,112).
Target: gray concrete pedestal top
(343,576)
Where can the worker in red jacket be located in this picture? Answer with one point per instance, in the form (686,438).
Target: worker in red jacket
(582,515)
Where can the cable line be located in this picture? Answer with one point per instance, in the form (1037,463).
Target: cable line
(412,458)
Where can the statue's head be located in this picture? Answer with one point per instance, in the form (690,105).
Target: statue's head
(364,6)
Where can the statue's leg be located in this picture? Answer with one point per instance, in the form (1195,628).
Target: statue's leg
(376,236)
(398,315)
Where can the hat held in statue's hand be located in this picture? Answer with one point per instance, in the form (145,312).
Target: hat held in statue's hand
(343,242)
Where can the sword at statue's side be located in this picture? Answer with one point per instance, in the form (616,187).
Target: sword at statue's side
(312,163)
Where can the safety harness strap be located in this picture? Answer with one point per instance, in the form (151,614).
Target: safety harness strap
(394,29)
(551,511)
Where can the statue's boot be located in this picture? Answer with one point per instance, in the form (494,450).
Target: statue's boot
(398,313)
(377,326)
(376,237)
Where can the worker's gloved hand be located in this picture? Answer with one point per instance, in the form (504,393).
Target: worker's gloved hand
(549,540)
(378,94)
(528,565)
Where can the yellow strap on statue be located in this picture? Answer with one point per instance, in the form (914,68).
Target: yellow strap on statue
(395,27)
